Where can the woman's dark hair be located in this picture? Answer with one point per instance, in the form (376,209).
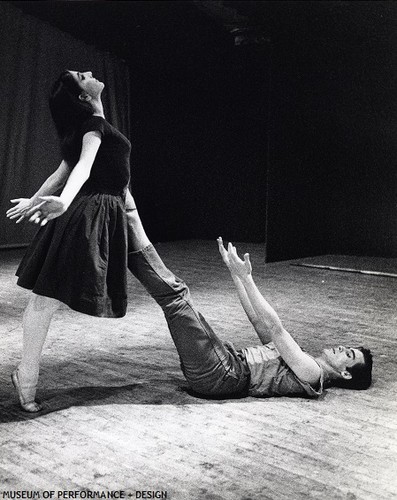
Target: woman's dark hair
(361,374)
(68,113)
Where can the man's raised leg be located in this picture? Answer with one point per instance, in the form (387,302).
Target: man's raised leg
(207,364)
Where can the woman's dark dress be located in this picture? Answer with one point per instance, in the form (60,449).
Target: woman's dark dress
(80,258)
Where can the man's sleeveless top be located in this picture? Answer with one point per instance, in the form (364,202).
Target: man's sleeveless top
(271,376)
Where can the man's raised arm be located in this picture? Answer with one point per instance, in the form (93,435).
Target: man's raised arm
(300,363)
(262,332)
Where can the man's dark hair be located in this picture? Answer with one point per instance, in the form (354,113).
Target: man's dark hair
(361,373)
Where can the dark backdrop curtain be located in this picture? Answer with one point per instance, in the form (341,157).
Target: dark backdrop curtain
(32,55)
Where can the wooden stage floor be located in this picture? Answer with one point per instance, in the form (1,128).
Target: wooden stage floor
(118,416)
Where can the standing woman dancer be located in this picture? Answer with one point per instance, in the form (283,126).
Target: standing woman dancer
(79,255)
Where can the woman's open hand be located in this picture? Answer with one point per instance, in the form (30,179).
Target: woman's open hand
(21,209)
(50,208)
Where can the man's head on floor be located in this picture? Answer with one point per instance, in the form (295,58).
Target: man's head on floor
(348,367)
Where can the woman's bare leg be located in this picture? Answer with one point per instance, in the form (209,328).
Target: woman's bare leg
(36,322)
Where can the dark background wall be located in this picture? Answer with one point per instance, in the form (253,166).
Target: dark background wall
(202,141)
(333,182)
(287,138)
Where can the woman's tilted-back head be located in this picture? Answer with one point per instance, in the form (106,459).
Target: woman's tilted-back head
(69,111)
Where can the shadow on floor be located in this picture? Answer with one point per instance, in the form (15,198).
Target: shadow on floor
(153,392)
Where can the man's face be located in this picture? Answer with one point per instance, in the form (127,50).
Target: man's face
(342,357)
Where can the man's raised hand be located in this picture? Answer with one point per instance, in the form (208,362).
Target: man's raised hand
(241,268)
(223,252)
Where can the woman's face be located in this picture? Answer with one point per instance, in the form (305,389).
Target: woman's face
(88,84)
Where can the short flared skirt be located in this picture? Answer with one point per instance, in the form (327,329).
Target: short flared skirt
(80,258)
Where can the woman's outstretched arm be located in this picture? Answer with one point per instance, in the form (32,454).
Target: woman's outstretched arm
(50,186)
(55,206)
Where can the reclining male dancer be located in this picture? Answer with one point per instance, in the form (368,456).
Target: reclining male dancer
(214,368)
